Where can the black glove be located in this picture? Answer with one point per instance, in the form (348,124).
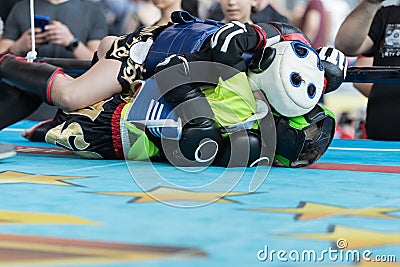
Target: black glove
(239,149)
(200,137)
(231,40)
(273,33)
(262,60)
(287,32)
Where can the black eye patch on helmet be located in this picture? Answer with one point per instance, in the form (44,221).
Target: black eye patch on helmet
(302,140)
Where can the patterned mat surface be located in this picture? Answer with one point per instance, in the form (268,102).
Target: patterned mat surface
(59,210)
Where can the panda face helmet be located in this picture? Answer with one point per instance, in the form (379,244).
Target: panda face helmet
(292,77)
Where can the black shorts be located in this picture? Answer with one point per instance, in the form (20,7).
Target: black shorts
(92,132)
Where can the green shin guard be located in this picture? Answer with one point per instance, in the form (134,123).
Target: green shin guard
(33,78)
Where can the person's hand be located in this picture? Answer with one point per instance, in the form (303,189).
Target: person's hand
(58,33)
(24,42)
(40,37)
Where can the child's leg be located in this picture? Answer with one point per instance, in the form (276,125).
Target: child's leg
(52,86)
(36,78)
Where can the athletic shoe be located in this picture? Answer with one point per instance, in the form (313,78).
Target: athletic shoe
(6,151)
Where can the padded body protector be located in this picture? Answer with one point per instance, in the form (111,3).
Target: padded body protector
(201,139)
(188,35)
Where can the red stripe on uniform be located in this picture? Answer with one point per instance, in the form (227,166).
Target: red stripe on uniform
(49,83)
(116,131)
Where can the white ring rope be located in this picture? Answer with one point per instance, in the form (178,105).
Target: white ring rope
(31,56)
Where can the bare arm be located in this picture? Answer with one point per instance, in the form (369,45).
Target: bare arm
(312,24)
(364,88)
(5,44)
(352,38)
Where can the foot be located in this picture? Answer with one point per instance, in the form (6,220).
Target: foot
(38,132)
(26,133)
(6,151)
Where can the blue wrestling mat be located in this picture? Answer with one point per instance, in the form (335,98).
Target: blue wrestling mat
(59,210)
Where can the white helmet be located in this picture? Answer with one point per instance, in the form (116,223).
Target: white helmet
(294,81)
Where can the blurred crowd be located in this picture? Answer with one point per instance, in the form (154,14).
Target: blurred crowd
(319,19)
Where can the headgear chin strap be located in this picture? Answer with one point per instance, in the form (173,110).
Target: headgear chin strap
(304,139)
